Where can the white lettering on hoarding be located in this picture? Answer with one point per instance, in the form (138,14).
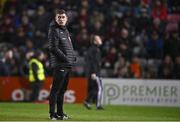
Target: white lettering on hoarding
(69,96)
(111,92)
(43,95)
(19,95)
(138,92)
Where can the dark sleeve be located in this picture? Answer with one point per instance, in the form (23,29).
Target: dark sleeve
(93,61)
(54,44)
(176,72)
(160,73)
(35,71)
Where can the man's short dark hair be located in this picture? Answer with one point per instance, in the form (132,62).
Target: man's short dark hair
(92,37)
(60,11)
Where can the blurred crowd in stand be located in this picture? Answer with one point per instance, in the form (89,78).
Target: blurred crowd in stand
(141,38)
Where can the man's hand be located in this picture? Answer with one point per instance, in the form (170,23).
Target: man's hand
(93,76)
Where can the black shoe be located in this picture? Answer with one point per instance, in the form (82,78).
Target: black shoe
(62,116)
(100,108)
(53,117)
(87,105)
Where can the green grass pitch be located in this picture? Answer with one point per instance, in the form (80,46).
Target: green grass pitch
(39,112)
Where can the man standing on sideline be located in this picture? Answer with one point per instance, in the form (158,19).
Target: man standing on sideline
(36,74)
(93,66)
(62,59)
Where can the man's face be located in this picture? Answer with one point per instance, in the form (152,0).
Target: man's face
(61,19)
(98,40)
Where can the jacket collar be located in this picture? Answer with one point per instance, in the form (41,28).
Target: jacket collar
(54,23)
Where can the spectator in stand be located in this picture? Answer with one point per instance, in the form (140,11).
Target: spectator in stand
(143,20)
(100,6)
(7,29)
(111,57)
(97,27)
(41,21)
(29,45)
(121,68)
(82,40)
(12,12)
(141,8)
(4,70)
(24,66)
(112,32)
(124,43)
(135,67)
(166,68)
(176,73)
(82,21)
(157,25)
(82,37)
(159,10)
(123,6)
(154,46)
(150,72)
(83,17)
(57,4)
(17,4)
(10,63)
(173,6)
(27,26)
(96,20)
(2,2)
(172,44)
(20,37)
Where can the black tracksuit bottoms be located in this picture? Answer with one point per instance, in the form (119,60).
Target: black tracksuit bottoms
(36,87)
(95,91)
(59,86)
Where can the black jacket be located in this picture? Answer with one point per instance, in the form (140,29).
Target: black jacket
(93,60)
(60,47)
